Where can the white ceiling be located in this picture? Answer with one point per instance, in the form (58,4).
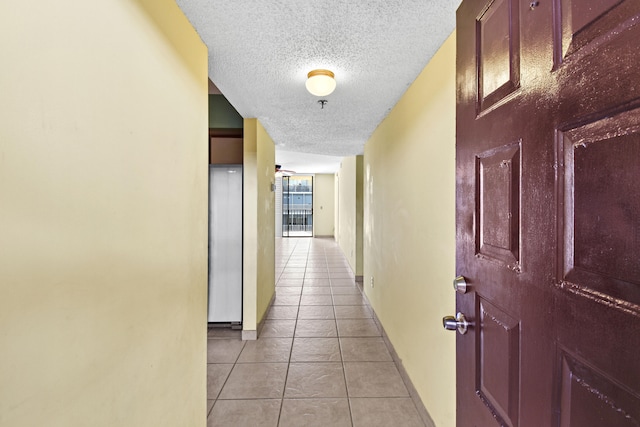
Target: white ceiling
(304,163)
(261,50)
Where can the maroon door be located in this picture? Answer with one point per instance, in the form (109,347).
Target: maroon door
(548,212)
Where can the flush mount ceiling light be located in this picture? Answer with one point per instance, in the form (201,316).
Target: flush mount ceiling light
(320,82)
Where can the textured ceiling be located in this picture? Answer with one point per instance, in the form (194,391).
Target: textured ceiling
(261,50)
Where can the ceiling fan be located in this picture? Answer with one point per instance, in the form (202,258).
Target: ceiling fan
(283,172)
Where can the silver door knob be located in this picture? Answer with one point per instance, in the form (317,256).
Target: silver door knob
(460,284)
(459,323)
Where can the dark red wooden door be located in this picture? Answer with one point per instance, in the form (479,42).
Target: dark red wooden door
(548,212)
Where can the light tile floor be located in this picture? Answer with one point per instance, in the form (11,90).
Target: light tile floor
(320,359)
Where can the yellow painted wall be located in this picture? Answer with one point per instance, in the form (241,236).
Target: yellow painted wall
(266,221)
(347,209)
(359,270)
(259,225)
(409,238)
(336,209)
(323,205)
(250,226)
(103,215)
(350,211)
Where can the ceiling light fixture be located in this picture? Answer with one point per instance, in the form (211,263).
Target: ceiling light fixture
(320,82)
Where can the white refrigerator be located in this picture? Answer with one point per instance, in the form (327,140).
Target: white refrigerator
(225,244)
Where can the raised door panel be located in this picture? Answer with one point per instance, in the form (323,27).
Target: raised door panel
(498,362)
(498,205)
(585,25)
(590,398)
(600,211)
(596,56)
(498,51)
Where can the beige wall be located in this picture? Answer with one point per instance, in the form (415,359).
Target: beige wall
(336,209)
(350,211)
(266,221)
(409,244)
(359,270)
(323,205)
(347,229)
(259,226)
(103,218)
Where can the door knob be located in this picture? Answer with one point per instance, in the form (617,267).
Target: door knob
(459,322)
(460,284)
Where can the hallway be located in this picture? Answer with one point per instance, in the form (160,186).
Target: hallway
(320,359)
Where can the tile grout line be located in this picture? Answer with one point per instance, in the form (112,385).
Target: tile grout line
(215,401)
(295,327)
(335,319)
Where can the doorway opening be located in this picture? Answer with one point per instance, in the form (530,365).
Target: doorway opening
(297,206)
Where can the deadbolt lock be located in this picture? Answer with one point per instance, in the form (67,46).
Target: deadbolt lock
(460,285)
